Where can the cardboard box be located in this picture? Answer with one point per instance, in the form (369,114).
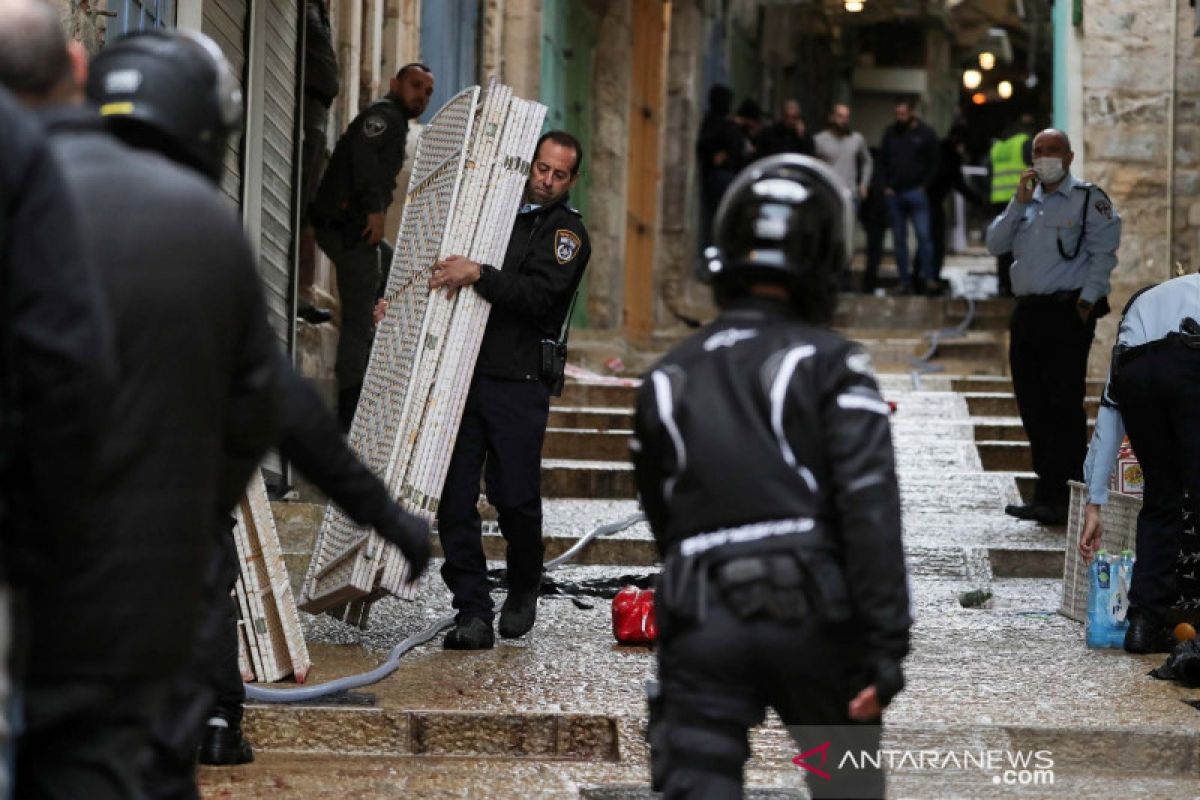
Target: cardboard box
(1127,479)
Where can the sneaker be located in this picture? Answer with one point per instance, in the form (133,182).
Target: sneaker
(471,633)
(223,745)
(518,613)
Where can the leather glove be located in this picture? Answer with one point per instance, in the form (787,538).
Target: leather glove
(411,535)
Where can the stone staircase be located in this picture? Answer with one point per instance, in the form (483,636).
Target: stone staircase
(560,713)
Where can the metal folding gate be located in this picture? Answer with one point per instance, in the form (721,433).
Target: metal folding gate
(468,174)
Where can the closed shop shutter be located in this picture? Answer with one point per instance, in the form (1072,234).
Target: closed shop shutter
(225,22)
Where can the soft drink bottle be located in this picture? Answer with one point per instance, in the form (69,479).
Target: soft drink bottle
(1118,605)
(1099,625)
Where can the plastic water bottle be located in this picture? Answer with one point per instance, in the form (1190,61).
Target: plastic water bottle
(1100,590)
(1118,605)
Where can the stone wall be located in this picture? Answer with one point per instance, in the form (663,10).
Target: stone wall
(679,210)
(84,21)
(609,167)
(1126,94)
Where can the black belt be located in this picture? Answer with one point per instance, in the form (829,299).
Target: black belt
(1172,341)
(1065,296)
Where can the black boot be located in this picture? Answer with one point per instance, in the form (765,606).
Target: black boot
(223,745)
(471,633)
(1147,634)
(518,613)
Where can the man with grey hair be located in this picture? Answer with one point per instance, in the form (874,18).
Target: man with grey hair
(37,62)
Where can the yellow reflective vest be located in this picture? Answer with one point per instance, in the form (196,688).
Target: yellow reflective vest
(1007,166)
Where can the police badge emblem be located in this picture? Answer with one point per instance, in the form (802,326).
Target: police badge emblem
(566,245)
(373,126)
(1105,208)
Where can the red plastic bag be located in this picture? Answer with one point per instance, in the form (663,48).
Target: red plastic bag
(633,616)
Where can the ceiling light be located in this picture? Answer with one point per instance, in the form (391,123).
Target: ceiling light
(987,60)
(972,78)
(1004,89)
(979,98)
(854,6)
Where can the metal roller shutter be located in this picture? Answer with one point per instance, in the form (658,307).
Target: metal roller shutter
(225,22)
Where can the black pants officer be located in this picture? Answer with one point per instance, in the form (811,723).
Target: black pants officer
(209,685)
(1048,357)
(748,646)
(1160,404)
(503,427)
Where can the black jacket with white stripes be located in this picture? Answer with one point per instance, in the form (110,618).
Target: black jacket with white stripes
(761,418)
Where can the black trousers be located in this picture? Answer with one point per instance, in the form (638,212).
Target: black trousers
(875,229)
(1048,356)
(84,737)
(937,232)
(719,675)
(211,683)
(503,427)
(1159,394)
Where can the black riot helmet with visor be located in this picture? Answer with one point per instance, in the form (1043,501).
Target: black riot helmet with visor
(785,220)
(172,91)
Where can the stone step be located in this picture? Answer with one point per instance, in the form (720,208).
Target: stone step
(603,551)
(586,445)
(1012,431)
(603,419)
(567,478)
(1008,456)
(597,395)
(390,732)
(1003,384)
(917,313)
(1002,404)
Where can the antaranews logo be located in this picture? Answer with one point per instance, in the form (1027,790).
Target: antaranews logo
(1006,767)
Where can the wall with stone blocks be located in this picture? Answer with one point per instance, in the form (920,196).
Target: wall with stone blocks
(83,20)
(1126,94)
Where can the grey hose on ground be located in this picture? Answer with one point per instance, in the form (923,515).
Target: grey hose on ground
(920,364)
(300,694)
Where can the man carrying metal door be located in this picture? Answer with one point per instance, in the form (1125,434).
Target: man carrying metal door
(763,459)
(504,422)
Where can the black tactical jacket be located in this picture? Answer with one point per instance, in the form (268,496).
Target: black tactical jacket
(530,296)
(361,176)
(761,418)
(194,411)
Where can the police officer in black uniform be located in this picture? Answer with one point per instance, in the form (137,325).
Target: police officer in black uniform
(764,463)
(113,616)
(205,709)
(508,405)
(348,217)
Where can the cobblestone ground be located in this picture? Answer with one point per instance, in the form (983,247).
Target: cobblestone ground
(1012,678)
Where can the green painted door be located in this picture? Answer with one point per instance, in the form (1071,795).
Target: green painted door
(568,46)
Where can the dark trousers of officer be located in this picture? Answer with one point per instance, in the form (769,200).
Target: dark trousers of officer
(1159,394)
(1004,261)
(937,232)
(358,277)
(1048,356)
(718,676)
(83,737)
(211,683)
(503,426)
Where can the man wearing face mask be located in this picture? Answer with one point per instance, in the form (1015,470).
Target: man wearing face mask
(1063,234)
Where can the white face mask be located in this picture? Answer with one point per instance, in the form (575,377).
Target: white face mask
(1049,170)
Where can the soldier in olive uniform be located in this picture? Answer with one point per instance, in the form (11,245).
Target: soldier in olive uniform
(348,216)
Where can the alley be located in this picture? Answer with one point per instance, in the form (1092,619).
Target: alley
(560,713)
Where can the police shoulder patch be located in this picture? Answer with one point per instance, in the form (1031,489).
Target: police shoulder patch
(374,125)
(566,245)
(1104,207)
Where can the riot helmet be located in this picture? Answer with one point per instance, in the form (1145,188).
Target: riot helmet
(172,91)
(787,220)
